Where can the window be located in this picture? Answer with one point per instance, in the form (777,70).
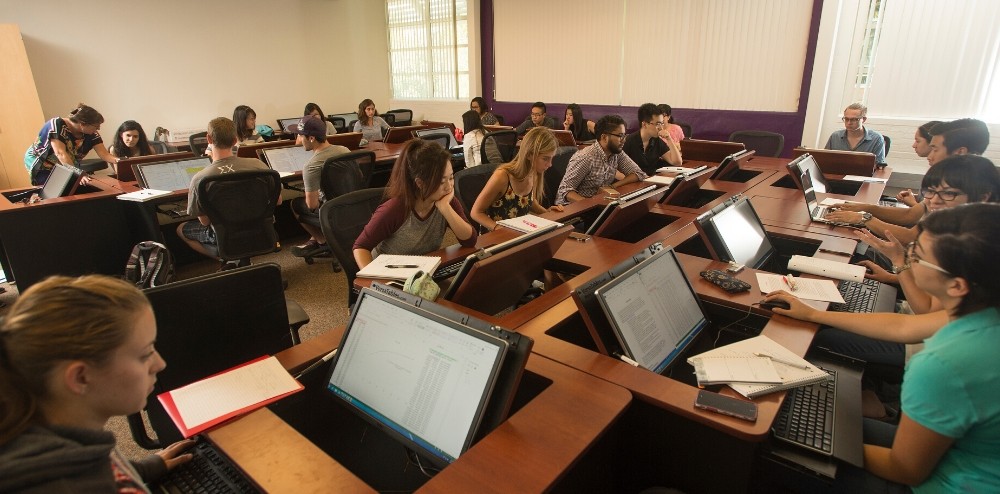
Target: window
(428,49)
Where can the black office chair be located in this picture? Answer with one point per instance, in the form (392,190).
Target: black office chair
(341,175)
(209,324)
(402,116)
(501,144)
(686,127)
(241,207)
(199,143)
(350,125)
(389,118)
(554,175)
(763,142)
(339,123)
(343,220)
(469,183)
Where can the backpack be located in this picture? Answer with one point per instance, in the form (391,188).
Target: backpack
(149,265)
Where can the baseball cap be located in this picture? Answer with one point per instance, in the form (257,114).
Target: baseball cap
(312,126)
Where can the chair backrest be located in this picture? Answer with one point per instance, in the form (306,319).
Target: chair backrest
(241,207)
(470,182)
(554,175)
(763,142)
(199,143)
(402,116)
(503,142)
(686,127)
(339,123)
(342,174)
(159,147)
(389,118)
(888,141)
(209,324)
(342,220)
(442,139)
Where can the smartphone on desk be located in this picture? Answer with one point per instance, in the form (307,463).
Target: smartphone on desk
(714,402)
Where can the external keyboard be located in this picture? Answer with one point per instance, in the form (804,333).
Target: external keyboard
(859,297)
(806,416)
(448,271)
(208,471)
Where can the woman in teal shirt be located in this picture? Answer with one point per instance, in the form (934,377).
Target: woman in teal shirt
(948,438)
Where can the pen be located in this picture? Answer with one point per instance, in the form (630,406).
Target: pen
(778,360)
(787,279)
(402,266)
(326,358)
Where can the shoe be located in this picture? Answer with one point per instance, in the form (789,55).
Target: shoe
(307,249)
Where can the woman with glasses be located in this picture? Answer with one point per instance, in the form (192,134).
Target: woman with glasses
(480,106)
(421,204)
(948,433)
(66,140)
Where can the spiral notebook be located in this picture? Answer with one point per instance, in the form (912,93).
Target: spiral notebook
(793,370)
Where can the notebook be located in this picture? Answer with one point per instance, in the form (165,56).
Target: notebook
(398,267)
(793,370)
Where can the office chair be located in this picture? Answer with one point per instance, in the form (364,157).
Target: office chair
(241,207)
(341,175)
(199,143)
(159,147)
(209,324)
(554,175)
(402,116)
(503,142)
(342,220)
(389,119)
(763,142)
(686,127)
(469,183)
(350,125)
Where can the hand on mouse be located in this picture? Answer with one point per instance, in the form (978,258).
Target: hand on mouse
(796,308)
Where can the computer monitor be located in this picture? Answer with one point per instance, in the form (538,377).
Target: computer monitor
(841,162)
(63,181)
(286,160)
(736,234)
(170,175)
(653,311)
(127,167)
(289,124)
(496,277)
(729,165)
(452,142)
(807,162)
(399,135)
(636,205)
(422,378)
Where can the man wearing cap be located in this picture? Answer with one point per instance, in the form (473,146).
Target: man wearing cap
(313,132)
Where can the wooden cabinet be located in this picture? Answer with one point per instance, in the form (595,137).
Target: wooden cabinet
(20,109)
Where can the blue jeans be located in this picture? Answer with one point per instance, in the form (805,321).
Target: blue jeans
(858,480)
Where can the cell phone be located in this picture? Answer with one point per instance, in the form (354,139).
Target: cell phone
(714,402)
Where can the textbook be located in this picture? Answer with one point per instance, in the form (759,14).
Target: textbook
(397,267)
(230,393)
(527,223)
(794,371)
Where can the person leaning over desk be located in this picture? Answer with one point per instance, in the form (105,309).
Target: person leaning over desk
(421,204)
(949,429)
(66,140)
(594,167)
(75,352)
(516,188)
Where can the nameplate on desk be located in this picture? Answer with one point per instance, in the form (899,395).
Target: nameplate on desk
(144,195)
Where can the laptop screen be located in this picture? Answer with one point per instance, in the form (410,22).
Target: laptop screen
(653,311)
(809,191)
(62,181)
(807,163)
(286,160)
(420,377)
(287,123)
(742,235)
(170,175)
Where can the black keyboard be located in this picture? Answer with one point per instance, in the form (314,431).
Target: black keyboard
(859,297)
(209,471)
(806,416)
(448,271)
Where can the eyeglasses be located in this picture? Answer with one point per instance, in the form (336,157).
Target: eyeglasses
(537,114)
(620,136)
(851,120)
(658,125)
(944,194)
(912,258)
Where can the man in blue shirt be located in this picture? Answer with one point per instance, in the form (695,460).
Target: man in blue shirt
(855,136)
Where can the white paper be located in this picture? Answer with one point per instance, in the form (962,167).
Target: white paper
(237,389)
(859,178)
(143,195)
(659,179)
(718,370)
(805,288)
(527,223)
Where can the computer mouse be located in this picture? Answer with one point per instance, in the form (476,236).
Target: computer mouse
(770,304)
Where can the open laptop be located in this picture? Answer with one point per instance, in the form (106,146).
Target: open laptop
(817,211)
(286,161)
(170,175)
(423,379)
(289,124)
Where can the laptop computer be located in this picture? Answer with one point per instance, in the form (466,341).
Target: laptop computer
(817,211)
(564,137)
(170,175)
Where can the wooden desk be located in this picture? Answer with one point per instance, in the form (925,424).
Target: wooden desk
(781,186)
(531,452)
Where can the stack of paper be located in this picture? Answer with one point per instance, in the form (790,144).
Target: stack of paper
(396,267)
(793,371)
(527,223)
(143,195)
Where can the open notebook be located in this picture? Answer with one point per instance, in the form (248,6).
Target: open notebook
(793,370)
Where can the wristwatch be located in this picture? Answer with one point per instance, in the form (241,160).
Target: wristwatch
(865,218)
(899,269)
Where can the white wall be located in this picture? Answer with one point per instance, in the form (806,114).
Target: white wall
(185,62)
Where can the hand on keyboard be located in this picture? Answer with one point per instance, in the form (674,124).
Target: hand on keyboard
(174,455)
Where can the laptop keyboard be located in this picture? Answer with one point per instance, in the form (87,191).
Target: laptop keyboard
(859,297)
(207,472)
(806,416)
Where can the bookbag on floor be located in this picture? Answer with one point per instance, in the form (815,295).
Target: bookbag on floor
(150,265)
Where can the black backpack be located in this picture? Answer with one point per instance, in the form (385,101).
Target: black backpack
(149,265)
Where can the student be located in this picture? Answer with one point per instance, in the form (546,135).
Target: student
(75,352)
(313,110)
(582,131)
(246,125)
(66,140)
(855,136)
(199,234)
(130,141)
(479,106)
(595,166)
(369,123)
(921,146)
(472,128)
(537,119)
(421,204)
(312,134)
(676,132)
(516,188)
(949,427)
(645,147)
